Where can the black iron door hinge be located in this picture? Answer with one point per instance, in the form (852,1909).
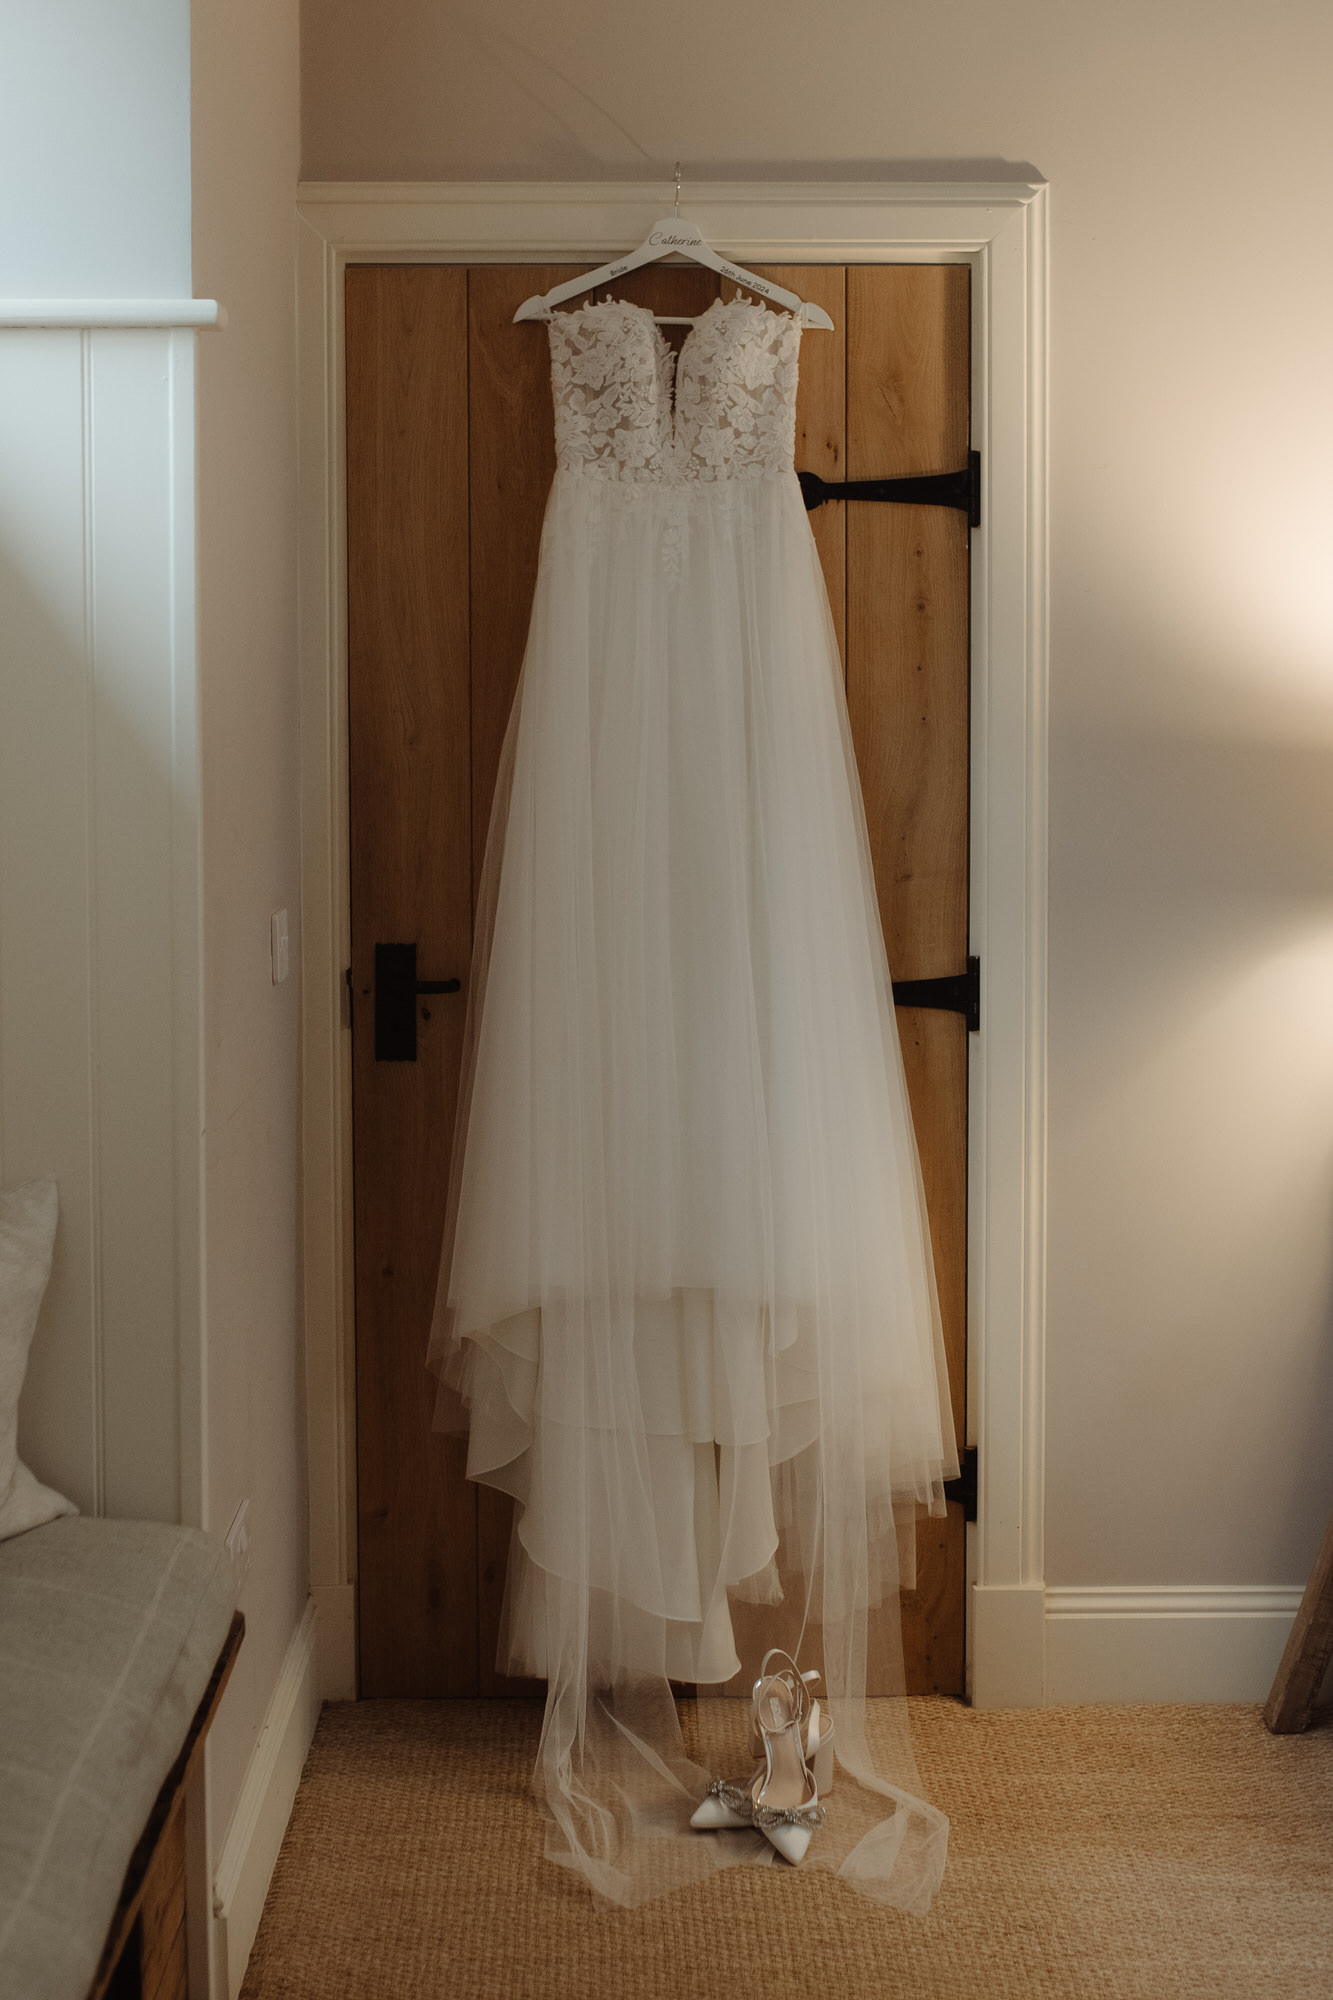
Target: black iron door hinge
(935,489)
(963,1490)
(959,994)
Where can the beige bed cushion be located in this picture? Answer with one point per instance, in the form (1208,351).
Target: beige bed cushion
(109,1631)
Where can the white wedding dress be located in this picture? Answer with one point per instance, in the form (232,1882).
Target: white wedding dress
(687,1292)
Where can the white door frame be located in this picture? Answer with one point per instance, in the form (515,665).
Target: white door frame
(1000,230)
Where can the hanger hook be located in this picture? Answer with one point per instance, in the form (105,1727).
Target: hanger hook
(676,210)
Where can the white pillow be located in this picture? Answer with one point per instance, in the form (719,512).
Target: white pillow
(27,1237)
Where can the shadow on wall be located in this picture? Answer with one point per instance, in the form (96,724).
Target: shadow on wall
(448,90)
(1191,1300)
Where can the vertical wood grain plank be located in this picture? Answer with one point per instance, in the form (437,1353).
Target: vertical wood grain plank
(671,288)
(512,460)
(907,688)
(162,1915)
(411,848)
(169,1971)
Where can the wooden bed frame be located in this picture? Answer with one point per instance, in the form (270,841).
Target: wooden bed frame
(144,1957)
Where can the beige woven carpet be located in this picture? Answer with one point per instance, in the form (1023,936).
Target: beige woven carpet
(1129,1853)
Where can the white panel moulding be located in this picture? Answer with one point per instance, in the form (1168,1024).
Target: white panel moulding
(99,1034)
(111,312)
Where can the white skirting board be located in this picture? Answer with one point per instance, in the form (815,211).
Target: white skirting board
(1036,1647)
(250,1849)
(1008,1638)
(1192,1644)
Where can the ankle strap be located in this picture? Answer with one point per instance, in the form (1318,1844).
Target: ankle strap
(797,1682)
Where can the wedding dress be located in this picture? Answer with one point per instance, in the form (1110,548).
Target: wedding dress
(686,1292)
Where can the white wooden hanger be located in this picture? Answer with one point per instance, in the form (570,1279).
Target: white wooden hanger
(670,235)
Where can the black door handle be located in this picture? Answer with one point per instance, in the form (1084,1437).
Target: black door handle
(396,990)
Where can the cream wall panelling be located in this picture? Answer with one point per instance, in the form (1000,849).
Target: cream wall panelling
(1000,230)
(99,899)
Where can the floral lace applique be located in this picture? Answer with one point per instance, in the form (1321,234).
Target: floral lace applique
(735,409)
(736,395)
(611,384)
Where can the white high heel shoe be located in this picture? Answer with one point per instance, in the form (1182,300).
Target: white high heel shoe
(819,1729)
(727,1805)
(786,1796)
(723,1805)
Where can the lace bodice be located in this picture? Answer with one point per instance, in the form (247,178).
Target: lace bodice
(733,415)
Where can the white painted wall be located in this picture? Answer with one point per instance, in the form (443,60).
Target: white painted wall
(1190,1332)
(95,140)
(245,139)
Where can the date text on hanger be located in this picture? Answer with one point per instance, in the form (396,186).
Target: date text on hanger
(672,236)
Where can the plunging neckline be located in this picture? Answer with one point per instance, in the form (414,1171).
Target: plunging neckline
(673,355)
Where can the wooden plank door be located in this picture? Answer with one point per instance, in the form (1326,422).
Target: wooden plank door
(409,700)
(449,458)
(908,381)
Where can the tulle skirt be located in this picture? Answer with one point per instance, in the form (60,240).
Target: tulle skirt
(686,1293)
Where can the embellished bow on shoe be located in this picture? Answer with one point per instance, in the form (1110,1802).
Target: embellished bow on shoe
(768,1817)
(783,1798)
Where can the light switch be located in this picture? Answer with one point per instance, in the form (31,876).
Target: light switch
(278,945)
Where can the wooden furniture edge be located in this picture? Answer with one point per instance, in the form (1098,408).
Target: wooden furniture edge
(169,1796)
(1308,1650)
